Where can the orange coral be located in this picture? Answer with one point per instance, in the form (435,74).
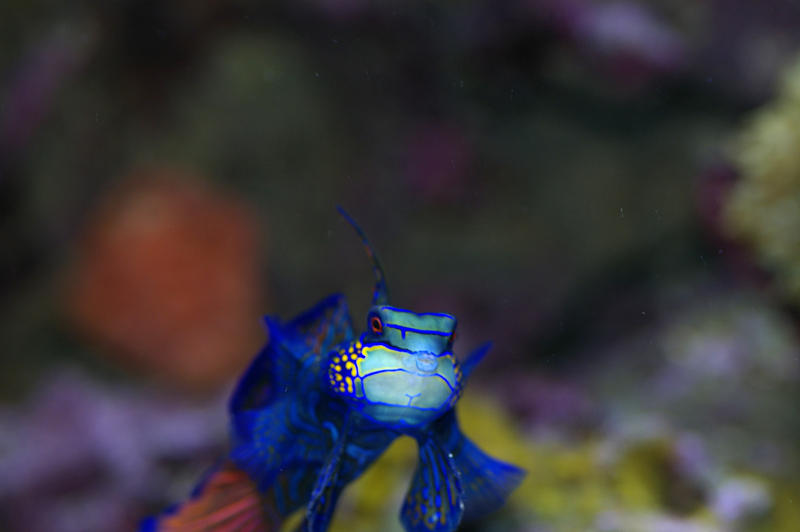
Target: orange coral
(167,277)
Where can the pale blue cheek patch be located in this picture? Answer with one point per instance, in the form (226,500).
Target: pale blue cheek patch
(395,387)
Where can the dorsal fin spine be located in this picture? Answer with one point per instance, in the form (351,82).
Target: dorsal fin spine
(380,296)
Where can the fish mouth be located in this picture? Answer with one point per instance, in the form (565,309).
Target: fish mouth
(412,371)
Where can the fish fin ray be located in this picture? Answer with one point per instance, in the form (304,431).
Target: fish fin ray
(295,350)
(473,359)
(380,295)
(487,482)
(272,369)
(223,501)
(434,502)
(322,327)
(292,432)
(326,489)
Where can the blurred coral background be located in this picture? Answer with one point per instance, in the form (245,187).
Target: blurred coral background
(609,190)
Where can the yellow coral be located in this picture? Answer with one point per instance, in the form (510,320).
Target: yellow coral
(763,209)
(570,486)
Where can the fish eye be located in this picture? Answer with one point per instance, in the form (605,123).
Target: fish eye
(375,324)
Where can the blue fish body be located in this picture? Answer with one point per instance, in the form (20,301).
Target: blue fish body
(319,404)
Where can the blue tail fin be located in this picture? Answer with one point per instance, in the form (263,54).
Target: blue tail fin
(486,481)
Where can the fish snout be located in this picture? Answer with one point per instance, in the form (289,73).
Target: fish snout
(427,363)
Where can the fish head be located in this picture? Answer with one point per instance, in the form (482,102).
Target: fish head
(401,371)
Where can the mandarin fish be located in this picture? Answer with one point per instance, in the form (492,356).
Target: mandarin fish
(319,404)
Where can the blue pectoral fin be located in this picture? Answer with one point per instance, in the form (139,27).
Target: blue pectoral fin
(435,500)
(469,364)
(486,481)
(326,490)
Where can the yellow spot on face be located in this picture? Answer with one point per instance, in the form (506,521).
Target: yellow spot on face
(345,358)
(352,367)
(337,367)
(335,360)
(338,377)
(349,384)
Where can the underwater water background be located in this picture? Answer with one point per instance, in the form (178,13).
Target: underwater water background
(608,190)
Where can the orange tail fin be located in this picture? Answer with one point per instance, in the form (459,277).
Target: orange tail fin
(227,501)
